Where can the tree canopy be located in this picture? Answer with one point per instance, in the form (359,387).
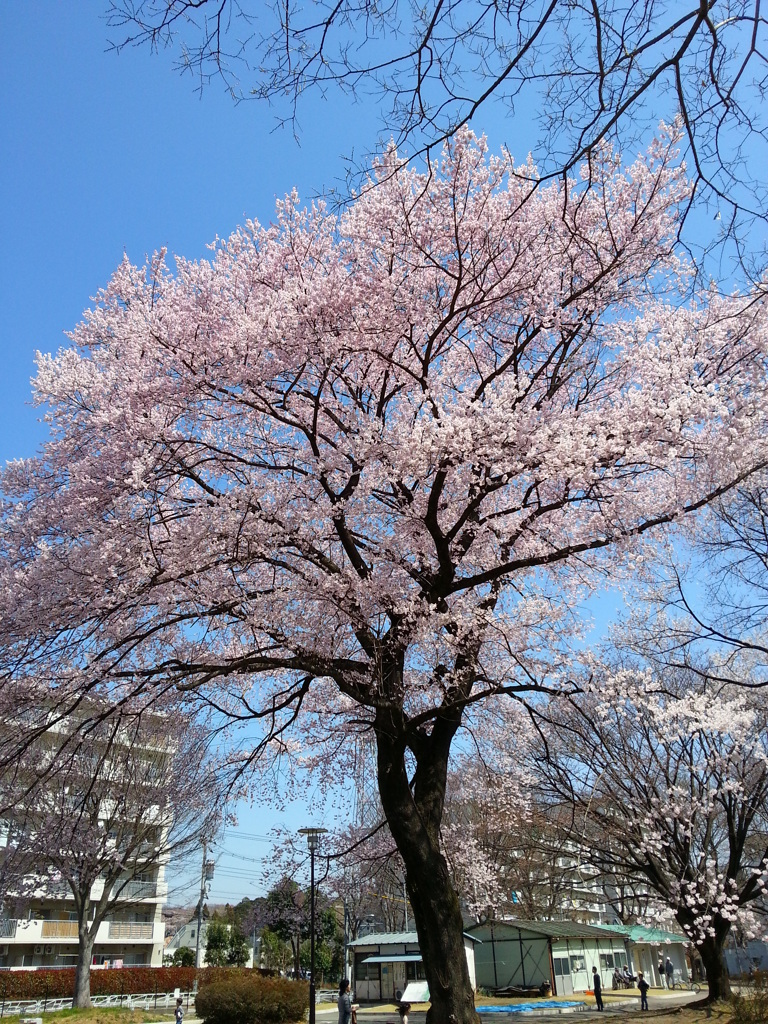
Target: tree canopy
(350,474)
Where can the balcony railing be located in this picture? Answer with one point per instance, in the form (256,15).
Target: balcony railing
(57,892)
(7,928)
(139,890)
(130,930)
(59,930)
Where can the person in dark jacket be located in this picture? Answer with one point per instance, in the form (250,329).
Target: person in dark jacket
(643,985)
(669,970)
(345,1002)
(597,986)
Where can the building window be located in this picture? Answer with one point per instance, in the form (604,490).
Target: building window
(562,968)
(134,960)
(577,964)
(414,971)
(606,961)
(364,971)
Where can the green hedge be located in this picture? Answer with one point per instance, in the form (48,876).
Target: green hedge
(50,984)
(252,999)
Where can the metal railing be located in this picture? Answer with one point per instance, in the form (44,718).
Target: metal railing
(7,928)
(130,930)
(143,1000)
(139,890)
(59,930)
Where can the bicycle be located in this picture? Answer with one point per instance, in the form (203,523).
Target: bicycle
(686,985)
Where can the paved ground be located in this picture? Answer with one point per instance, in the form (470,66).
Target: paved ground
(615,1005)
(618,1005)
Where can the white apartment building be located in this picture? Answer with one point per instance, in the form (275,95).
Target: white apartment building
(133,932)
(47,937)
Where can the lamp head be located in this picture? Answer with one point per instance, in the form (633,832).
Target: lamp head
(313,836)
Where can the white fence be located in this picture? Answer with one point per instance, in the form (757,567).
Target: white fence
(139,1001)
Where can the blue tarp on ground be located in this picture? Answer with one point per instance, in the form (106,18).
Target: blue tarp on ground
(524,1007)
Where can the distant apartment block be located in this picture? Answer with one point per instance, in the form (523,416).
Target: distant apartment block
(47,936)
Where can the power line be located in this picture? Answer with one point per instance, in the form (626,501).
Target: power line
(249,835)
(240,856)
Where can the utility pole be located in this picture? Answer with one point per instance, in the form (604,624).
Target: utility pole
(345,972)
(206,876)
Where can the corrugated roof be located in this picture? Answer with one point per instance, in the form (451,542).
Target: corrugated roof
(393,939)
(556,929)
(653,936)
(386,938)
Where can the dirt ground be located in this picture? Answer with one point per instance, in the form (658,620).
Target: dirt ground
(720,1013)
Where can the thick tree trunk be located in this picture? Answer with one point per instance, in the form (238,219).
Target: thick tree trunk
(440,928)
(414,818)
(82,994)
(296,950)
(718,982)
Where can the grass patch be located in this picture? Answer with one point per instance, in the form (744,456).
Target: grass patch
(103,1015)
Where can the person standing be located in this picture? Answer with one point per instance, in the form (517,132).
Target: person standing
(345,1002)
(643,985)
(661,972)
(597,985)
(669,970)
(178,1013)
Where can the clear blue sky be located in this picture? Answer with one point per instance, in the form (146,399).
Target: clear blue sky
(105,153)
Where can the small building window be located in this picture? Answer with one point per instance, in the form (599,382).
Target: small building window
(364,971)
(562,968)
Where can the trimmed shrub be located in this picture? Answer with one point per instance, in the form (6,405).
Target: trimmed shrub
(126,980)
(252,999)
(39,984)
(51,984)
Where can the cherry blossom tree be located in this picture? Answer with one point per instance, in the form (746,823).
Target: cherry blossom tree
(351,473)
(667,781)
(96,807)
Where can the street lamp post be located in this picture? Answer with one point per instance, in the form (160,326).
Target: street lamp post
(313,841)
